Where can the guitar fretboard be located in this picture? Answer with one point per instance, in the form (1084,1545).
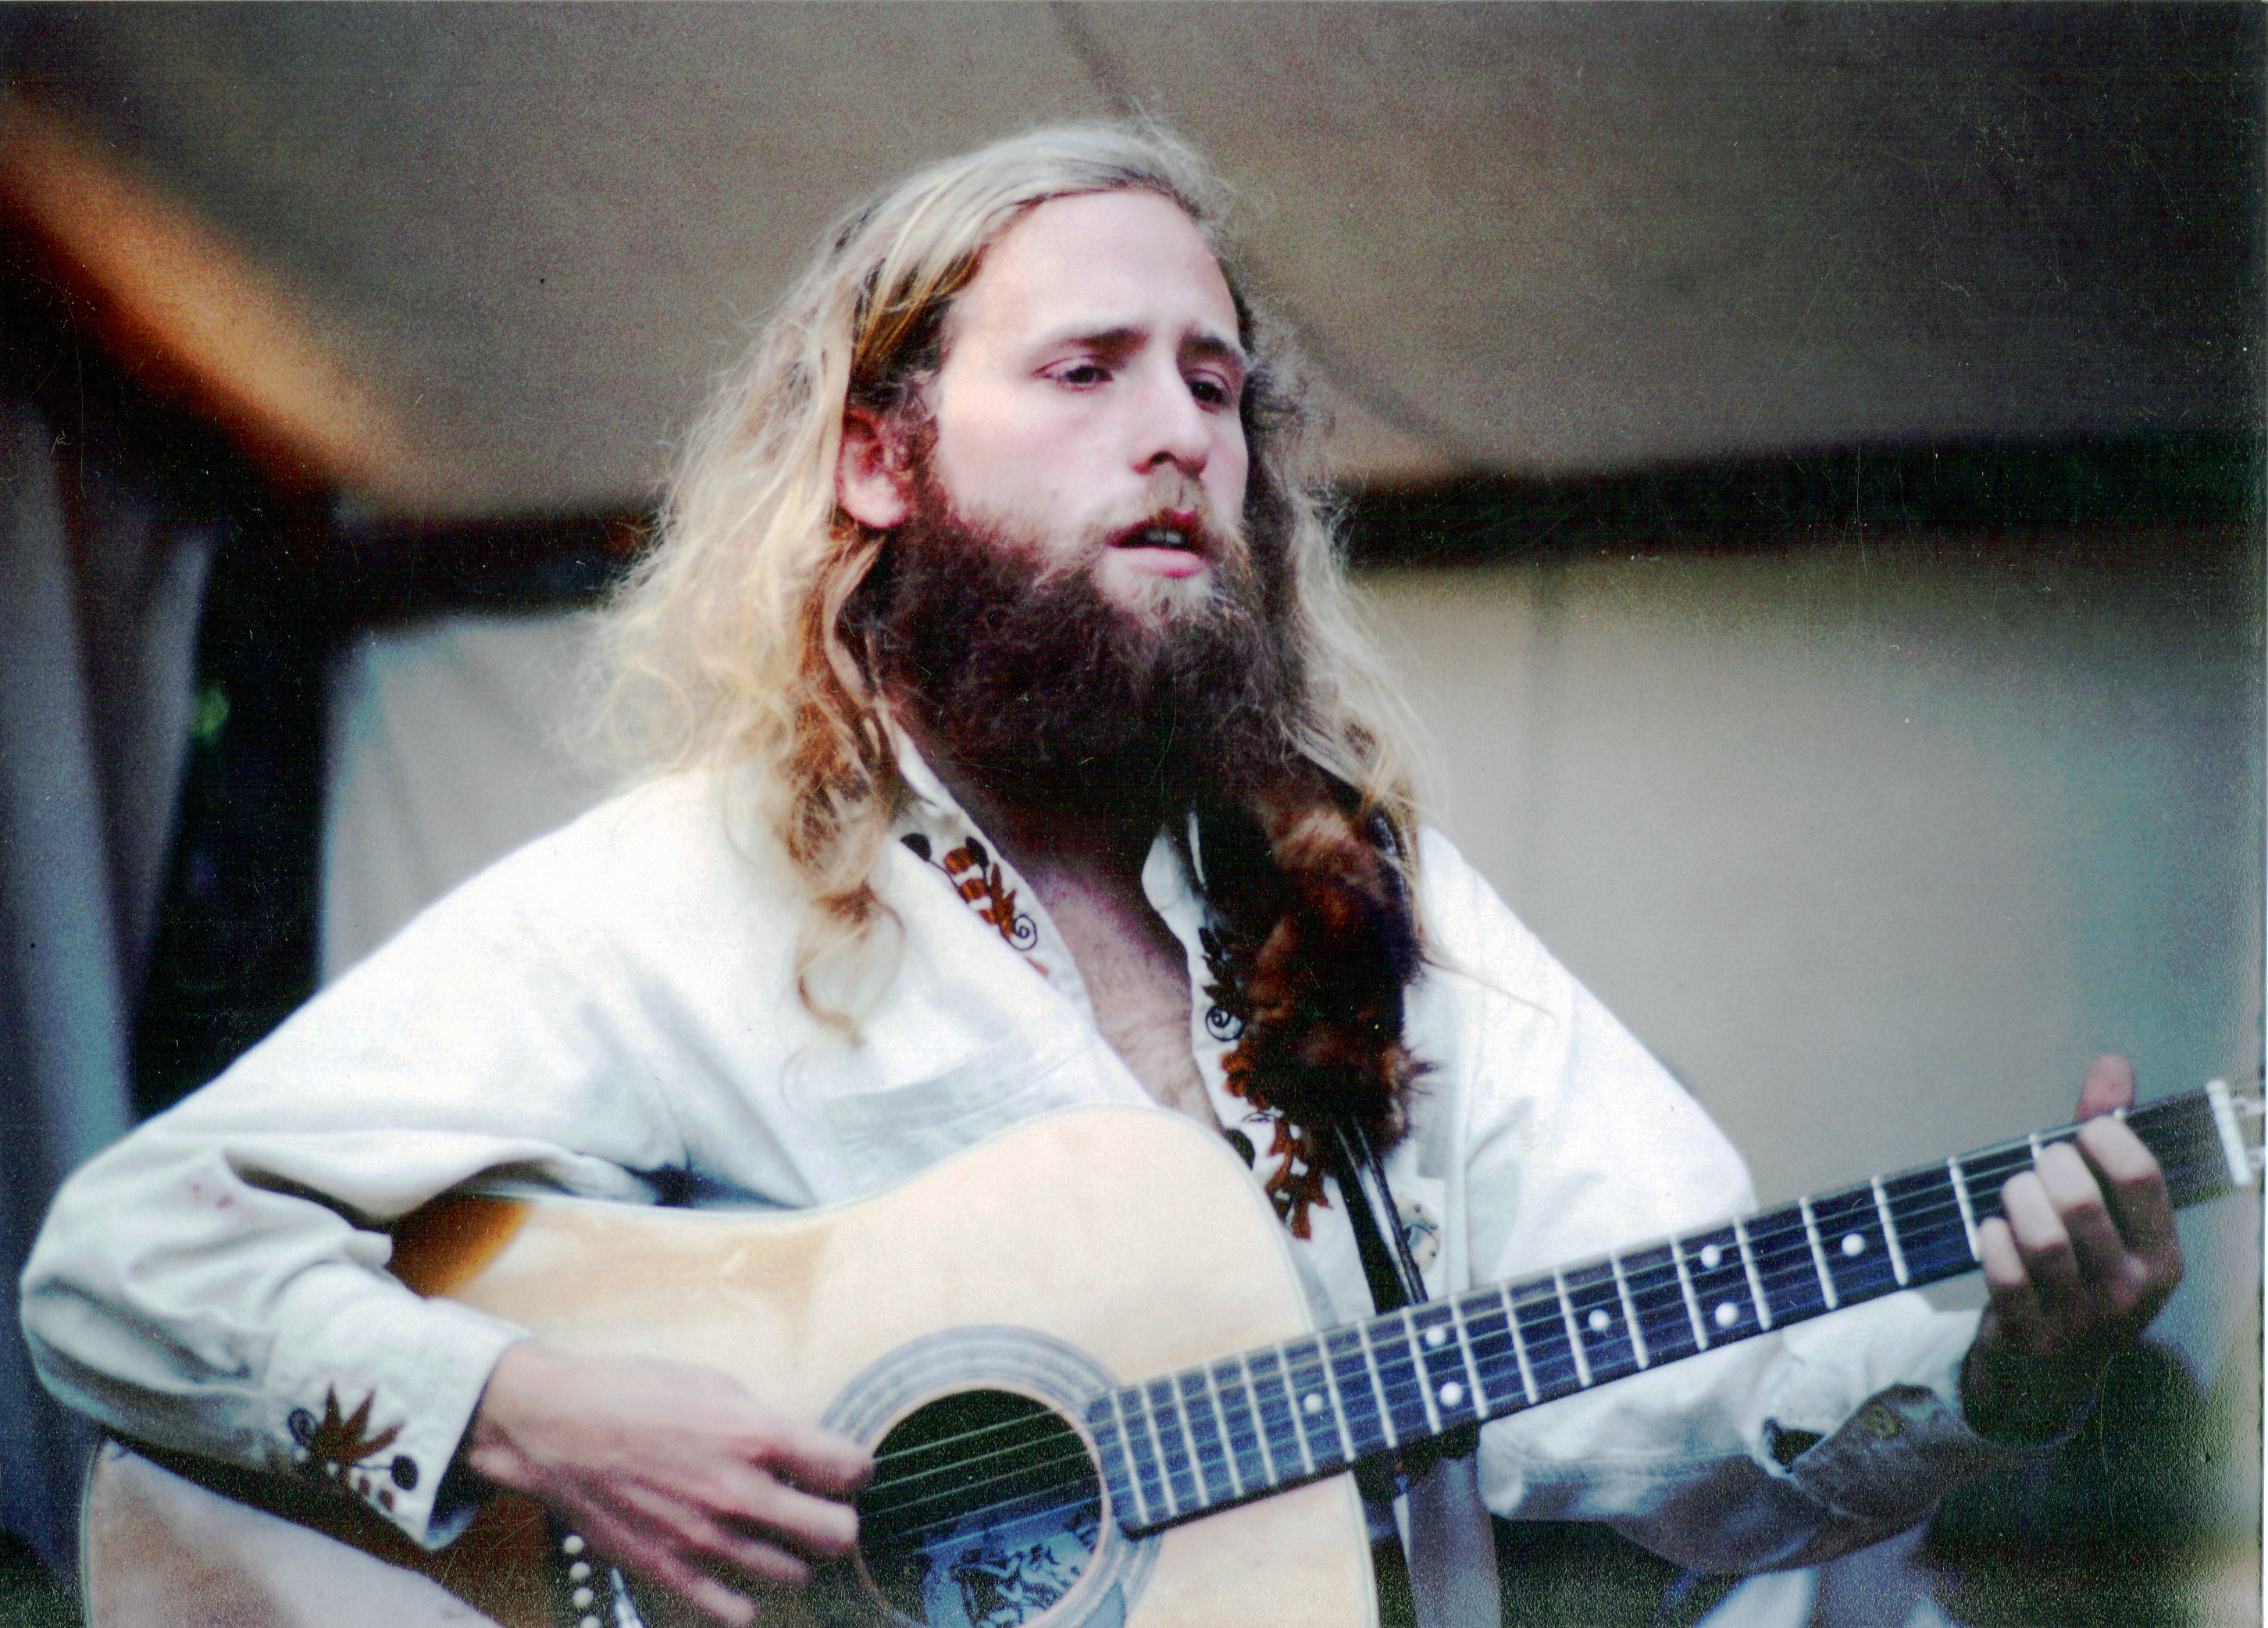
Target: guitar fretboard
(1182,1445)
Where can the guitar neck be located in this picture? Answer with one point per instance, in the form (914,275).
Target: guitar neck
(1185,1444)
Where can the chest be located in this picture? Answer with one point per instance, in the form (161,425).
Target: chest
(1137,975)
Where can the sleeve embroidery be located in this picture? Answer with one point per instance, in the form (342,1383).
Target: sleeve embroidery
(337,1451)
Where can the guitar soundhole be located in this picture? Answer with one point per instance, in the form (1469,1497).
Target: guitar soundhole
(984,1512)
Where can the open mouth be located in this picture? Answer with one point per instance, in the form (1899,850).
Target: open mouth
(1174,534)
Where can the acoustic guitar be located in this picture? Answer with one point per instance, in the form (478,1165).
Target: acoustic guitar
(1085,1364)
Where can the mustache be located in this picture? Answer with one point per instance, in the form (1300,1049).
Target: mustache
(1183,509)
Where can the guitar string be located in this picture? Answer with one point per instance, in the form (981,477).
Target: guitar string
(1084,1490)
(2191,1134)
(1540,1295)
(2185,1150)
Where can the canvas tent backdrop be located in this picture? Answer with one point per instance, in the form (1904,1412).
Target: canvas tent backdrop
(1806,460)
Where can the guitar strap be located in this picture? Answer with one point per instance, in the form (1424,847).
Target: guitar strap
(1387,1264)
(1395,1283)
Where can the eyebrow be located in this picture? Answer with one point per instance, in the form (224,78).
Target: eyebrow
(1118,340)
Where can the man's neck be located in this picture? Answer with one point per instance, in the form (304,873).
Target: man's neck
(1085,868)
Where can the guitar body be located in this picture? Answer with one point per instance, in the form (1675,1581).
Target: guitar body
(994,1293)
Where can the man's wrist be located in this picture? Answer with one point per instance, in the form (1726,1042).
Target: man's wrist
(2024,1401)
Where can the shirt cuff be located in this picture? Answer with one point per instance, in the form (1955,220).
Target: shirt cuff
(376,1411)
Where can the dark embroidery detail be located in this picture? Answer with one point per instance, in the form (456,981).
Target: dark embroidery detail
(916,843)
(404,1472)
(340,1451)
(1223,1024)
(1295,1184)
(979,879)
(302,1424)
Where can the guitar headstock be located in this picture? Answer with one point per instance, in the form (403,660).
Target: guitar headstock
(2240,1111)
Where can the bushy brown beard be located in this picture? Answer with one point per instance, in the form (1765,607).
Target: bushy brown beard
(1051,697)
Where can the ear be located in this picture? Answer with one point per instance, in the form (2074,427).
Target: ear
(867,482)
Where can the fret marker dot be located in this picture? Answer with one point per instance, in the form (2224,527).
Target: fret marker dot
(1854,1244)
(1451,1394)
(1727,1314)
(1600,1321)
(1710,1256)
(1434,1336)
(1313,1402)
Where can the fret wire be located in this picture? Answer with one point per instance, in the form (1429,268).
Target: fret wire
(1463,1336)
(1659,1294)
(1149,1459)
(1379,1381)
(1818,1255)
(1630,1312)
(1196,1455)
(1756,1283)
(1247,1401)
(1211,1472)
(1542,1320)
(1327,1414)
(2190,1135)
(1232,1396)
(1422,1370)
(1181,1427)
(1277,1371)
(1692,1301)
(1357,1357)
(1235,1473)
(1574,1337)
(1168,1496)
(1413,1345)
(1968,1215)
(1889,1232)
(1336,1402)
(1140,1500)
(1518,1342)
(1422,1359)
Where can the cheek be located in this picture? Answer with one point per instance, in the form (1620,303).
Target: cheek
(1233,467)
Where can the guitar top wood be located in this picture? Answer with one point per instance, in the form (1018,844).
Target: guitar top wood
(1110,1243)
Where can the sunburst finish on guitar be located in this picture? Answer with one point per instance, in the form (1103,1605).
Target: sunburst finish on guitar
(959,1324)
(1083,1360)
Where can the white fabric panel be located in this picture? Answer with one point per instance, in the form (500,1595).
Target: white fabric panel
(449,747)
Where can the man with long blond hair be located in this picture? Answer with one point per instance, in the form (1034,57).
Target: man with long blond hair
(1009,745)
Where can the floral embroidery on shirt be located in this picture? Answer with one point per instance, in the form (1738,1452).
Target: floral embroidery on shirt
(1295,1184)
(981,881)
(338,1451)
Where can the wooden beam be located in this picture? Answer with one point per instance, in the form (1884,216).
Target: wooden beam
(197,320)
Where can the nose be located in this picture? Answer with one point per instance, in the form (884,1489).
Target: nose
(1173,427)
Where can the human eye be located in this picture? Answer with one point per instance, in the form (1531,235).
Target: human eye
(1084,373)
(1213,391)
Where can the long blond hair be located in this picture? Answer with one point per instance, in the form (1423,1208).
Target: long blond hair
(727,644)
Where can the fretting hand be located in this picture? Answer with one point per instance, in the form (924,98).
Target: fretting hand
(2086,1256)
(674,1472)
